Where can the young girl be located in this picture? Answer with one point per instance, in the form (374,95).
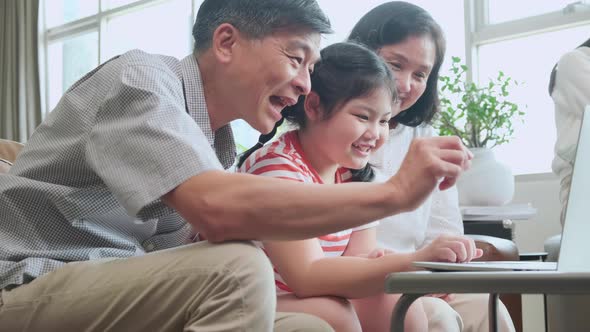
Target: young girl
(413,45)
(341,122)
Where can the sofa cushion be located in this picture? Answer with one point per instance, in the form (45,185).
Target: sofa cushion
(4,166)
(9,150)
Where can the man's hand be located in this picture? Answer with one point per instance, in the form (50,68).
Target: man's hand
(429,161)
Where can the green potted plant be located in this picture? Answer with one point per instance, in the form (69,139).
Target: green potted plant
(482,116)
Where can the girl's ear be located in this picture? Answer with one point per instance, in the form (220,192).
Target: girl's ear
(312,106)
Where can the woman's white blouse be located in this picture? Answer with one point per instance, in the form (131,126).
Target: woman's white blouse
(438,215)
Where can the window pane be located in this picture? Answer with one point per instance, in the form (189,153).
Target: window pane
(68,60)
(530,60)
(451,24)
(58,12)
(138,29)
(508,10)
(244,135)
(344,20)
(117,3)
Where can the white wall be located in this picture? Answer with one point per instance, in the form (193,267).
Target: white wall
(542,191)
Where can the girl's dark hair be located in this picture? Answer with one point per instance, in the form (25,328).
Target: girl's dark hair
(392,23)
(346,71)
(554,70)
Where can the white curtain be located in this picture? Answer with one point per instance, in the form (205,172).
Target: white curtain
(20,101)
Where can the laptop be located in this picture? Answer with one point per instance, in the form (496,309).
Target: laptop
(574,253)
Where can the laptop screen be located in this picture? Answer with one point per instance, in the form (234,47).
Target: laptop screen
(574,253)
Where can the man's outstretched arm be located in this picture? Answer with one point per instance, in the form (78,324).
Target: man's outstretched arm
(225,206)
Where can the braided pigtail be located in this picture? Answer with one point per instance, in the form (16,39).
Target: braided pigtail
(262,139)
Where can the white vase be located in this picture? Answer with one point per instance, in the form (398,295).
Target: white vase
(488,182)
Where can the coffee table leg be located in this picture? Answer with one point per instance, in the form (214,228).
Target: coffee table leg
(399,311)
(493,312)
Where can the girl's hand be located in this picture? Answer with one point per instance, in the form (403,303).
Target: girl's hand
(376,253)
(449,248)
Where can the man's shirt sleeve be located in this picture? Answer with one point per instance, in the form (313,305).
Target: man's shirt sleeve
(143,143)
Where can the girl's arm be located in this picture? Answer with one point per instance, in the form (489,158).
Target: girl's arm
(362,242)
(308,272)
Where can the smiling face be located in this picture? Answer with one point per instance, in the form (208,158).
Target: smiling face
(272,73)
(411,62)
(350,135)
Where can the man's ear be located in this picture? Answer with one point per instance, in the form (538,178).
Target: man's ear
(313,106)
(224,41)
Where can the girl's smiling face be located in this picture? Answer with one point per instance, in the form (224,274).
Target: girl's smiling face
(352,133)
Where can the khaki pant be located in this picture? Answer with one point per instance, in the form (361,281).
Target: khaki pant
(198,287)
(464,312)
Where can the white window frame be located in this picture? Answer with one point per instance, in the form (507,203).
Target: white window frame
(96,22)
(478,30)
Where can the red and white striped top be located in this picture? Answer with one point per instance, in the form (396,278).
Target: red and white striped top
(284,159)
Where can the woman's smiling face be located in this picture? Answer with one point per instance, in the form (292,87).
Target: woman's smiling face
(411,62)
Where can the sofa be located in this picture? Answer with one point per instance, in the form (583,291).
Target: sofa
(8,152)
(494,248)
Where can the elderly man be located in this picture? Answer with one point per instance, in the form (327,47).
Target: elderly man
(98,212)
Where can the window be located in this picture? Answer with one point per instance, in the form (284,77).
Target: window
(80,34)
(70,59)
(509,10)
(171,35)
(65,11)
(525,39)
(344,20)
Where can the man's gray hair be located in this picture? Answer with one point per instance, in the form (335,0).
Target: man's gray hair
(257,18)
